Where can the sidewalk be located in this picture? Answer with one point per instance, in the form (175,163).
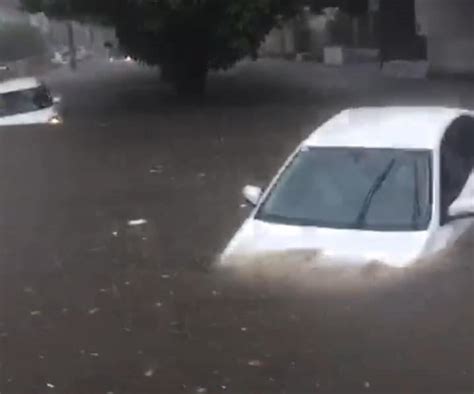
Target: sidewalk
(358,85)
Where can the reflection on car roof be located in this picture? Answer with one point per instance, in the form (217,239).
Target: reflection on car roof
(13,85)
(387,127)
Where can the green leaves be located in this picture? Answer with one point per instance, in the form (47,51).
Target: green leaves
(196,33)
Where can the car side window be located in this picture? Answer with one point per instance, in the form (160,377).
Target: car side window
(457,159)
(42,97)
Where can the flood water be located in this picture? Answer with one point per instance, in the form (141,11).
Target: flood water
(109,226)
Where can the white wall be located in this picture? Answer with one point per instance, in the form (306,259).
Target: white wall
(449,28)
(279,42)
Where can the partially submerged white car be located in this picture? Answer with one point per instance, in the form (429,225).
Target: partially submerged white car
(27,101)
(388,185)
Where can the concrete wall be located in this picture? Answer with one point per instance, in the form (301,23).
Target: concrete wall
(280,42)
(449,28)
(310,33)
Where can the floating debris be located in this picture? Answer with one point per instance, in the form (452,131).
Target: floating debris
(215,293)
(137,222)
(158,304)
(95,355)
(50,385)
(115,234)
(93,311)
(166,276)
(201,390)
(156,169)
(367,385)
(28,290)
(65,310)
(103,290)
(255,363)
(35,313)
(41,357)
(244,329)
(149,372)
(201,175)
(127,283)
(126,329)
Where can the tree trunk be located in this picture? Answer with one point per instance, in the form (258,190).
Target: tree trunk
(189,77)
(192,86)
(91,33)
(72,46)
(356,31)
(166,73)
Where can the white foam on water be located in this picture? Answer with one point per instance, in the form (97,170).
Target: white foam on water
(308,271)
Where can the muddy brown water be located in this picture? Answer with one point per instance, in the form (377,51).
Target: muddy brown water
(89,304)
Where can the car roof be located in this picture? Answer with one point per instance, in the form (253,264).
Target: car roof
(16,84)
(387,127)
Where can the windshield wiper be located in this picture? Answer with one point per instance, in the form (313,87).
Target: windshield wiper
(416,201)
(361,217)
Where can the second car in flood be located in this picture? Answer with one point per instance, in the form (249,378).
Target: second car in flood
(27,101)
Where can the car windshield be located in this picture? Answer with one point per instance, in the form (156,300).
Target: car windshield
(354,188)
(23,101)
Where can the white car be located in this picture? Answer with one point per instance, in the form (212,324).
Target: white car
(388,185)
(27,101)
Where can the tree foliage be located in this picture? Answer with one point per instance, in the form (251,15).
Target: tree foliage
(185,37)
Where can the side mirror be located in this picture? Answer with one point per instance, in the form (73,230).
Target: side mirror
(461,208)
(252,194)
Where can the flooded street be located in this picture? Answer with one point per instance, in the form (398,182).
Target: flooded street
(110,223)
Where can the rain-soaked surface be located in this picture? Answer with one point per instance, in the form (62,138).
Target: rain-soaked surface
(109,224)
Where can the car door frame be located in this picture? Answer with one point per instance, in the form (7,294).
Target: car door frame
(459,134)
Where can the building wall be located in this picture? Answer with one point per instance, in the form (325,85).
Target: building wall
(449,28)
(310,33)
(279,42)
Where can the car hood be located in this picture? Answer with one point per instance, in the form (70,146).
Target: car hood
(35,117)
(356,247)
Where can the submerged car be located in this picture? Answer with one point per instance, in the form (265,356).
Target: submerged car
(388,185)
(27,101)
